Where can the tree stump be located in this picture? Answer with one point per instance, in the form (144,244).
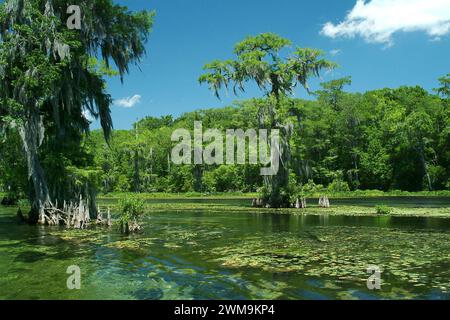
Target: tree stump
(99,215)
(259,203)
(300,203)
(109,218)
(324,202)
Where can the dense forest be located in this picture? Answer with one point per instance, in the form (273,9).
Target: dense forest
(388,139)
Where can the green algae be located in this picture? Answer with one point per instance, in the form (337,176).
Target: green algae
(345,253)
(80,235)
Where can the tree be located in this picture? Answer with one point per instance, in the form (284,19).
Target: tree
(332,91)
(261,59)
(13,171)
(383,139)
(444,89)
(48,82)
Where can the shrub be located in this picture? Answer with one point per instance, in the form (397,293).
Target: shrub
(338,185)
(23,203)
(264,194)
(297,192)
(381,209)
(311,187)
(130,210)
(133,207)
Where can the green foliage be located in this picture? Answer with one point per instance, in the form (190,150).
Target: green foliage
(13,168)
(382,209)
(386,140)
(260,58)
(444,89)
(311,187)
(131,207)
(264,193)
(23,203)
(52,79)
(338,185)
(130,210)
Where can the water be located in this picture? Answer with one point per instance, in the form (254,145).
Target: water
(225,255)
(408,202)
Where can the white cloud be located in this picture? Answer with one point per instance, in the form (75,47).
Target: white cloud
(128,102)
(335,52)
(377,20)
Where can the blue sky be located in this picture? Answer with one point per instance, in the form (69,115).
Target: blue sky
(378,44)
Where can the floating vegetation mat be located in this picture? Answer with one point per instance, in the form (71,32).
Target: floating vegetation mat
(420,259)
(82,236)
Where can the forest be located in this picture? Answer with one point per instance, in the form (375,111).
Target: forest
(387,139)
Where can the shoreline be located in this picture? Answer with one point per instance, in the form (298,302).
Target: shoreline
(237,196)
(213,205)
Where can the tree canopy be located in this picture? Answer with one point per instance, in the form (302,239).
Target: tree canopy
(52,77)
(262,59)
(387,139)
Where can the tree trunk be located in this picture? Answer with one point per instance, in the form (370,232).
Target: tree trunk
(425,168)
(279,183)
(75,213)
(136,177)
(300,203)
(198,178)
(324,202)
(31,133)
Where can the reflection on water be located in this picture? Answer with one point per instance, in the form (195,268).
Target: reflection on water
(230,256)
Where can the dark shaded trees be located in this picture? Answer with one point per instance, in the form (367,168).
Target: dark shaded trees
(49,81)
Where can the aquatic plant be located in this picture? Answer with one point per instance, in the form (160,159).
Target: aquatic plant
(130,211)
(343,254)
(382,209)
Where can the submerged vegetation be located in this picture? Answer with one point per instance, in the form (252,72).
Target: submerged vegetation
(240,206)
(263,256)
(344,253)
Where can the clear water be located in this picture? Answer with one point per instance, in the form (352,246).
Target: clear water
(223,255)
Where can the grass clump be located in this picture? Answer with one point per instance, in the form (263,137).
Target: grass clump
(130,211)
(382,209)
